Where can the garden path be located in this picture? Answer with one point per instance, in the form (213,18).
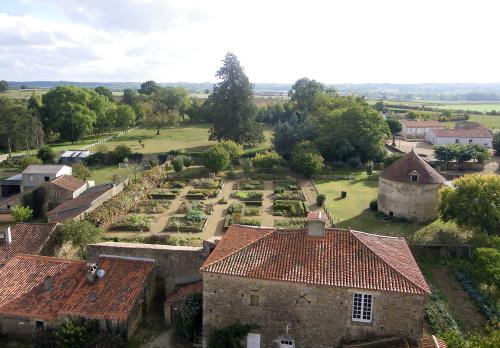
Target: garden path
(311,196)
(267,217)
(215,223)
(161,222)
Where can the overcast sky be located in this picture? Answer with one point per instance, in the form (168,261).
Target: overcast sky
(333,41)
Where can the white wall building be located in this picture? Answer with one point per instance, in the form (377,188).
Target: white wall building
(37,174)
(419,129)
(480,136)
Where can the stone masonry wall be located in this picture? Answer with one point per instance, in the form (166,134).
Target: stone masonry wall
(316,316)
(412,201)
(177,265)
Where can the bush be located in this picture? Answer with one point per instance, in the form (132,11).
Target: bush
(230,336)
(28,160)
(320,200)
(178,163)
(80,233)
(120,153)
(22,214)
(190,316)
(307,163)
(216,158)
(46,154)
(373,205)
(369,168)
(267,160)
(80,171)
(135,222)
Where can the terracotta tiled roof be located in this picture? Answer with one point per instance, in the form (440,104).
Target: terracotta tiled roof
(114,295)
(401,169)
(69,182)
(23,293)
(463,133)
(78,205)
(181,293)
(422,124)
(26,239)
(343,258)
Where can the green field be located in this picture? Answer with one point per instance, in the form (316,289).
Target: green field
(492,122)
(471,106)
(353,211)
(22,93)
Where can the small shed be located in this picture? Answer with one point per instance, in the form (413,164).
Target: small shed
(74,156)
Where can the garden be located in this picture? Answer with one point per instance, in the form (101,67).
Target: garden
(190,217)
(288,200)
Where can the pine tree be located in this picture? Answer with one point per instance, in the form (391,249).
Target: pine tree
(233,107)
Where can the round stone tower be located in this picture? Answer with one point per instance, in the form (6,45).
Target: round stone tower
(409,189)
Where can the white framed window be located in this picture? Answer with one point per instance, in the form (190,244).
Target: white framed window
(287,343)
(362,307)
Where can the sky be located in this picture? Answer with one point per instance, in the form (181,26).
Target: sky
(332,41)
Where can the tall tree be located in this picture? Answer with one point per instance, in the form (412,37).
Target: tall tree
(125,117)
(303,93)
(233,107)
(148,87)
(105,92)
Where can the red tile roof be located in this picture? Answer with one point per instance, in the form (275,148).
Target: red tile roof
(344,258)
(422,124)
(181,293)
(22,291)
(401,170)
(68,182)
(23,294)
(431,342)
(463,133)
(114,295)
(26,239)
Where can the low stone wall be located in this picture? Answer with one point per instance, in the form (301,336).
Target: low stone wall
(176,265)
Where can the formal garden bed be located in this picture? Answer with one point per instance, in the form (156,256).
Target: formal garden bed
(175,183)
(241,220)
(249,185)
(151,206)
(207,183)
(193,220)
(196,206)
(164,194)
(248,196)
(290,208)
(243,209)
(295,222)
(202,194)
(134,222)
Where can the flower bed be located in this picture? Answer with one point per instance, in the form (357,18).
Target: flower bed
(195,205)
(243,209)
(250,185)
(150,207)
(248,195)
(185,223)
(164,194)
(281,186)
(207,183)
(135,222)
(289,208)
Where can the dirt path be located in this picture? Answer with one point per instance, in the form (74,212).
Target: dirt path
(464,311)
(311,196)
(215,224)
(160,224)
(267,217)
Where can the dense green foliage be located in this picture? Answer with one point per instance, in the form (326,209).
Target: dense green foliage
(22,214)
(461,153)
(232,105)
(234,149)
(3,86)
(104,91)
(216,158)
(46,154)
(306,159)
(148,87)
(191,316)
(267,160)
(395,126)
(473,202)
(303,93)
(80,233)
(125,117)
(496,143)
(80,171)
(29,160)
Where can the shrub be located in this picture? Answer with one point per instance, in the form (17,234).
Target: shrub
(320,200)
(22,214)
(120,153)
(190,316)
(216,158)
(135,222)
(369,168)
(307,163)
(234,149)
(80,233)
(230,336)
(178,163)
(46,154)
(373,205)
(28,160)
(267,160)
(70,334)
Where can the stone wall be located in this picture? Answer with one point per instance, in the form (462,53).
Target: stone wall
(176,265)
(411,201)
(316,316)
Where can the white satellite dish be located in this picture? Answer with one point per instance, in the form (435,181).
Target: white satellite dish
(100,273)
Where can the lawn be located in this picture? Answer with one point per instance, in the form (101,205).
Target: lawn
(353,211)
(492,122)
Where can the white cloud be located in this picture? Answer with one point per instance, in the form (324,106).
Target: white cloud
(276,41)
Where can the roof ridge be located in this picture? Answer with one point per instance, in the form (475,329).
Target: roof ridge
(239,249)
(388,263)
(48,258)
(372,234)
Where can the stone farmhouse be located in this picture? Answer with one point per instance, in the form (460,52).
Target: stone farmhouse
(64,188)
(419,129)
(25,238)
(409,188)
(308,289)
(463,136)
(39,292)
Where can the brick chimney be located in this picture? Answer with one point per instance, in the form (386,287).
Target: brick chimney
(91,272)
(316,222)
(6,236)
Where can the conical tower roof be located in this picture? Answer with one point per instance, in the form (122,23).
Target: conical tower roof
(411,164)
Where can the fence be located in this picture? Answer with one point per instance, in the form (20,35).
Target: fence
(107,139)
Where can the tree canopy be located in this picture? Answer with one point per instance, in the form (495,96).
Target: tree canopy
(303,93)
(473,202)
(104,91)
(3,86)
(232,105)
(148,87)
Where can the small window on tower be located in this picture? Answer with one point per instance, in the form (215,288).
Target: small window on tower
(254,300)
(414,178)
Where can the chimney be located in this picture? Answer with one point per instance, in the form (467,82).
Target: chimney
(316,221)
(6,236)
(47,283)
(91,272)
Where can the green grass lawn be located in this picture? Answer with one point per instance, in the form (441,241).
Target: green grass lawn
(353,211)
(492,122)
